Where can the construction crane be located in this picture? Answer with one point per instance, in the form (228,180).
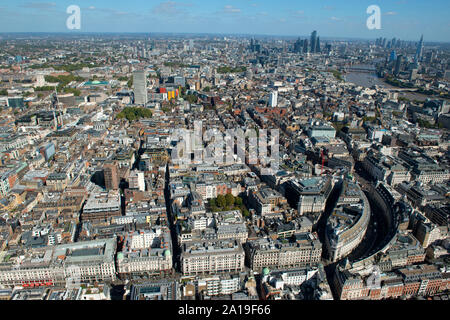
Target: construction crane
(55,104)
(323,161)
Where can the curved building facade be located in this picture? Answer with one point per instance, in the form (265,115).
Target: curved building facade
(348,223)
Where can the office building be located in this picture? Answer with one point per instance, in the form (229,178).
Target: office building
(84,262)
(16,102)
(111,174)
(348,223)
(398,64)
(100,207)
(273,101)
(47,151)
(146,252)
(419,52)
(306,250)
(217,256)
(313,41)
(140,87)
(136,180)
(310,195)
(161,290)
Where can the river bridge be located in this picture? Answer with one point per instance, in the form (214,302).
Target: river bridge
(356,69)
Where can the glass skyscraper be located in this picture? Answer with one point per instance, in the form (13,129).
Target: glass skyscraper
(140,87)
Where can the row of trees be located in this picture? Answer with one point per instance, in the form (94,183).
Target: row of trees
(228,202)
(192,98)
(133,113)
(426,124)
(231,69)
(63,81)
(66,67)
(75,92)
(397,83)
(45,88)
(409,85)
(338,75)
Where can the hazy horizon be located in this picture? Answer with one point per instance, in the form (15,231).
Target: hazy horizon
(403,19)
(256,36)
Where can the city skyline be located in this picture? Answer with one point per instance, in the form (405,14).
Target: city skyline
(406,20)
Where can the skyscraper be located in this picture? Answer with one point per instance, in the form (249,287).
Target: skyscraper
(398,65)
(419,51)
(393,56)
(298,46)
(273,100)
(140,87)
(305,46)
(111,174)
(313,41)
(394,42)
(318,45)
(255,46)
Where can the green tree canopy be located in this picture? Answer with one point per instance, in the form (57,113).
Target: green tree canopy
(229,198)
(231,69)
(133,113)
(221,201)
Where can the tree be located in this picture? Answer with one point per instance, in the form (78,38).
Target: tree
(183,91)
(238,201)
(221,201)
(75,92)
(229,198)
(212,202)
(191,98)
(228,69)
(337,75)
(131,113)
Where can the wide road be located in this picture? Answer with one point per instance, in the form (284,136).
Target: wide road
(376,231)
(374,237)
(176,249)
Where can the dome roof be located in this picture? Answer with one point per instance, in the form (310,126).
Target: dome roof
(166,253)
(266,271)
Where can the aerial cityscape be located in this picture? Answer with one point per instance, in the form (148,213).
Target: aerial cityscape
(142,165)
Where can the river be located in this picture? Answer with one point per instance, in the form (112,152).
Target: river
(371,79)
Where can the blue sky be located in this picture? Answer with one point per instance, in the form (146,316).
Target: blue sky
(404,19)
